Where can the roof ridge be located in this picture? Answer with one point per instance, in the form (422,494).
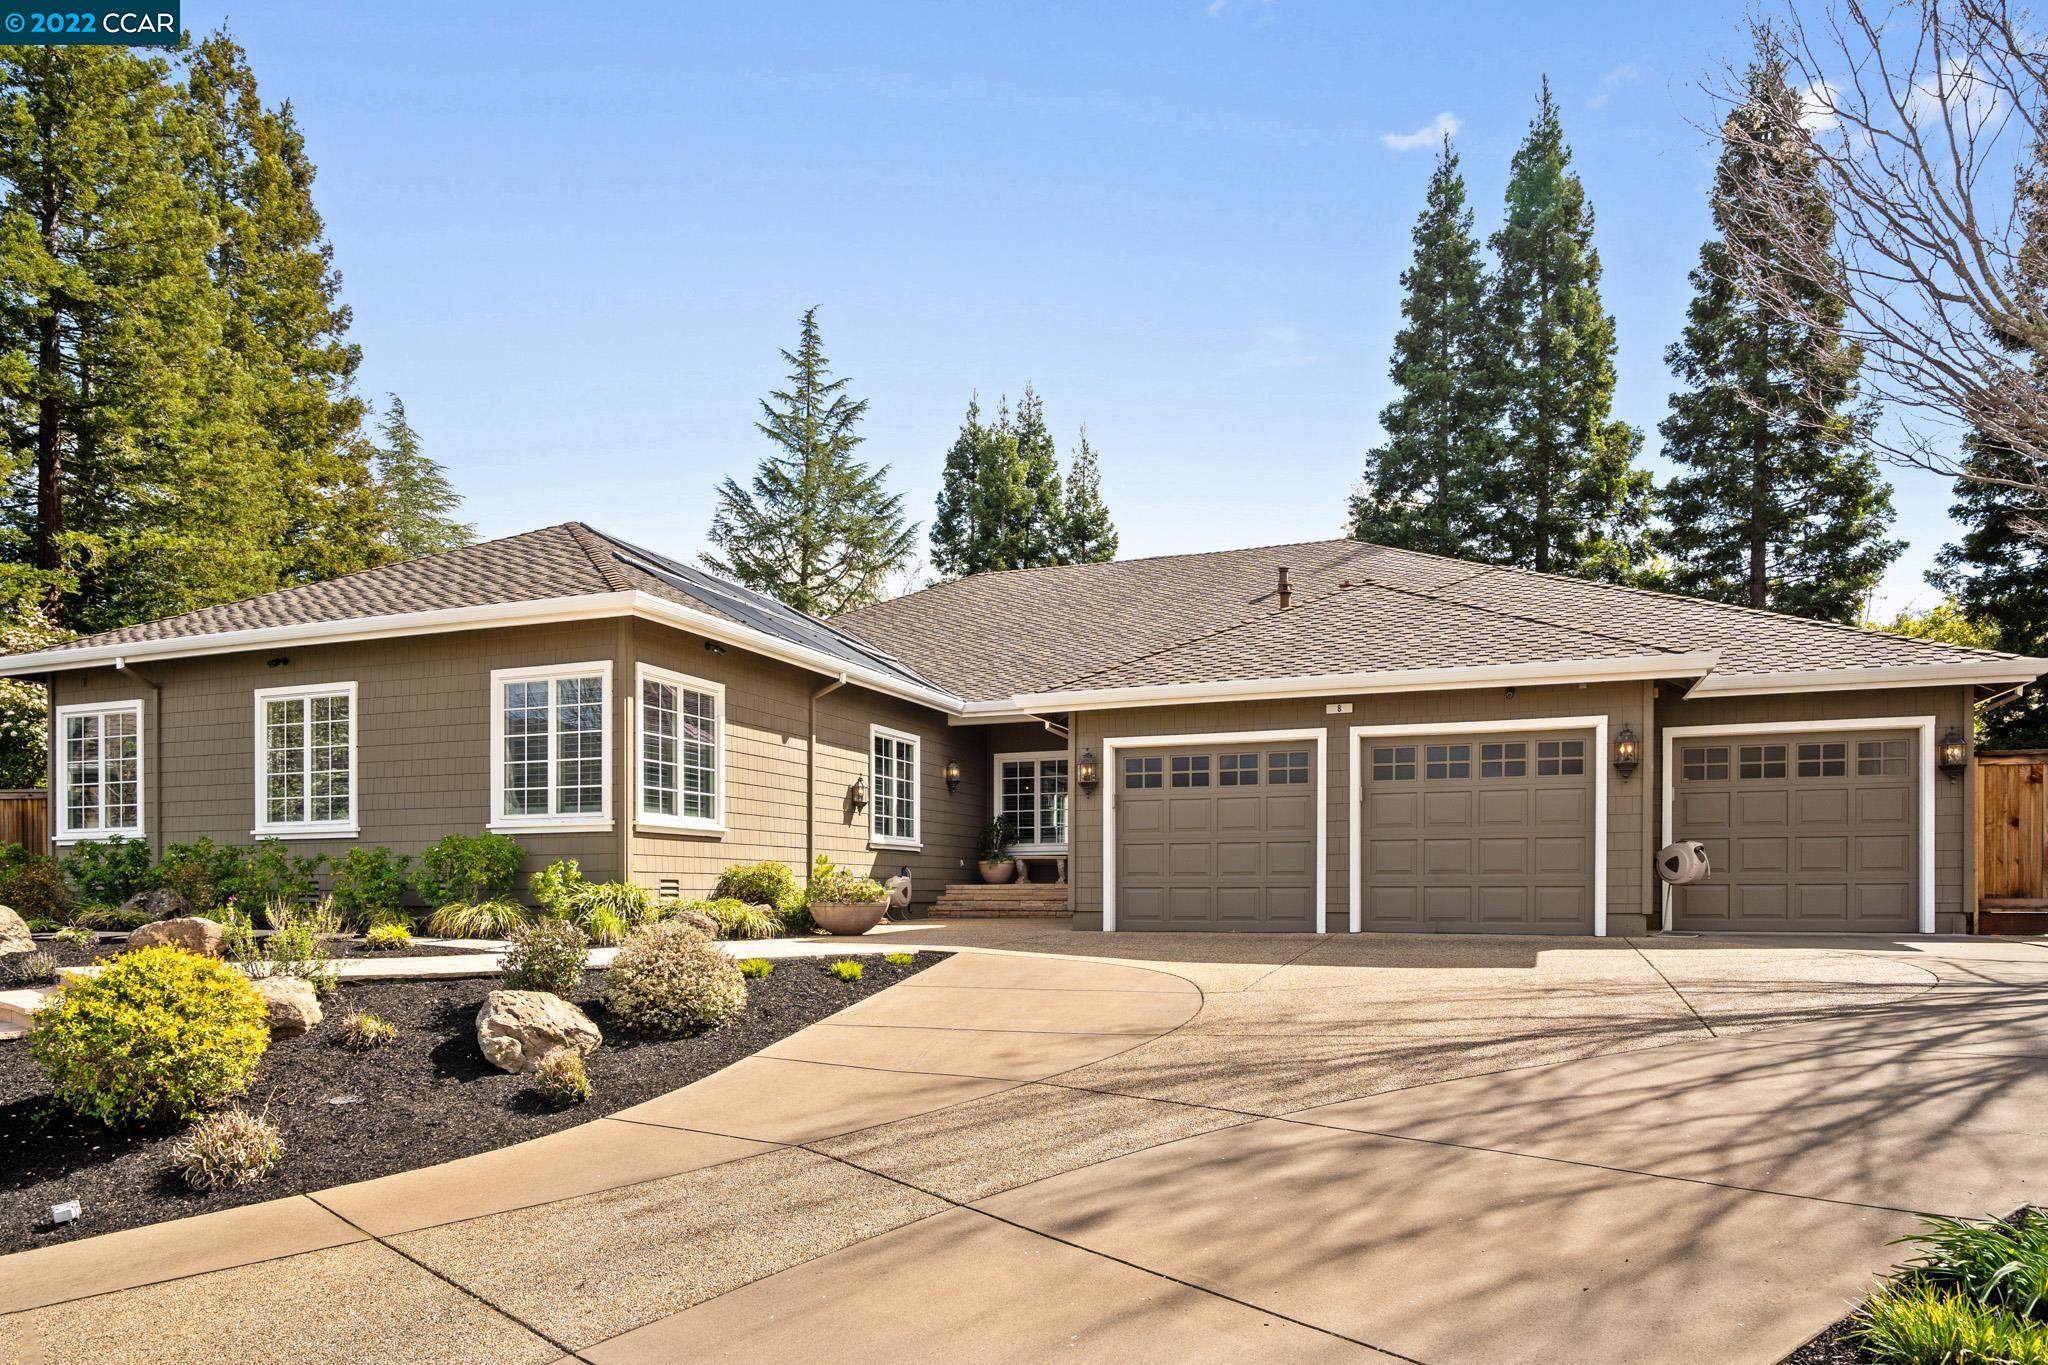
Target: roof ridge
(585,535)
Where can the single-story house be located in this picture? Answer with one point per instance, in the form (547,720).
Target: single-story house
(1325,737)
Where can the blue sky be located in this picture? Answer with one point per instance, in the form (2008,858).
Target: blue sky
(574,243)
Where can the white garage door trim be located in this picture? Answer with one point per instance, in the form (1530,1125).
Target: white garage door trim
(1113,783)
(1597,724)
(1923,724)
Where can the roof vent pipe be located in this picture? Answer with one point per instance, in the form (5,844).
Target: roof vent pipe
(1286,590)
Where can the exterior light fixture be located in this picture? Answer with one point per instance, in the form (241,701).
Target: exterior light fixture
(1953,754)
(952,774)
(857,794)
(1090,772)
(1628,753)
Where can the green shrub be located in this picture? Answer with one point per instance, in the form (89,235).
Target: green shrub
(678,913)
(108,871)
(387,937)
(269,873)
(2001,1263)
(469,869)
(554,887)
(298,949)
(606,911)
(368,886)
(846,969)
(546,955)
(233,1147)
(831,884)
(769,884)
(560,1079)
(237,936)
(360,1031)
(737,919)
(899,959)
(203,872)
(754,968)
(480,919)
(668,978)
(1913,1322)
(27,969)
(111,918)
(33,885)
(158,1033)
(78,936)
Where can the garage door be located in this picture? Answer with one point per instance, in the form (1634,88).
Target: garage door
(1806,832)
(1486,833)
(1217,838)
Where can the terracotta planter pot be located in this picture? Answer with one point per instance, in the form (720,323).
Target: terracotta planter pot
(849,917)
(995,874)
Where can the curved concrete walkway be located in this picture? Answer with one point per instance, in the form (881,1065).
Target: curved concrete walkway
(1177,1148)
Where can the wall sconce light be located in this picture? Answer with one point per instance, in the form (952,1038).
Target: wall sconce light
(1953,754)
(1628,753)
(857,794)
(952,774)
(1090,772)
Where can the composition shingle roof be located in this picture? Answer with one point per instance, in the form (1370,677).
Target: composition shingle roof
(1195,618)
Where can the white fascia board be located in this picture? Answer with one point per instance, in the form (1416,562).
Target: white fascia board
(2006,671)
(1633,668)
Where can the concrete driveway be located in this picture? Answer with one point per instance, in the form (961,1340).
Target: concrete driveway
(1179,1148)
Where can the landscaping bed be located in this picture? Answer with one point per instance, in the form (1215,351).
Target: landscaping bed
(78,955)
(427,1097)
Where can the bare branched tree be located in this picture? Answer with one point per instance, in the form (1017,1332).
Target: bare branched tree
(1926,120)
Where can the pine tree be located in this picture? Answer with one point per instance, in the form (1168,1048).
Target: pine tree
(1567,495)
(420,501)
(1088,535)
(816,528)
(978,489)
(1425,487)
(1039,521)
(1997,574)
(1777,503)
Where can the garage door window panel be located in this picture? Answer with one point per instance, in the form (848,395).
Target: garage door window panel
(1561,758)
(1761,762)
(1882,758)
(1287,770)
(1504,760)
(1394,763)
(1829,759)
(1191,770)
(1237,770)
(1143,773)
(1705,763)
(1447,762)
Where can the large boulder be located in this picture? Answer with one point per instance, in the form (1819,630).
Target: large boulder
(518,1028)
(294,1005)
(14,934)
(193,933)
(159,902)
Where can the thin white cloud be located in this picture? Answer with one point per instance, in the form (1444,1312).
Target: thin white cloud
(1429,134)
(1217,7)
(1817,107)
(1628,73)
(1275,346)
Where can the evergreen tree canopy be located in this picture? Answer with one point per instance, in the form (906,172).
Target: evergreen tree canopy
(1567,496)
(1003,503)
(418,498)
(1777,503)
(1089,536)
(1425,487)
(816,528)
(1997,575)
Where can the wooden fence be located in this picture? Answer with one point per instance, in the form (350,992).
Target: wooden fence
(25,819)
(2012,838)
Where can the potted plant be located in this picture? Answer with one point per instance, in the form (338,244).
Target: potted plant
(840,902)
(997,866)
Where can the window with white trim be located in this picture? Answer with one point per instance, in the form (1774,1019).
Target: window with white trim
(99,770)
(1032,796)
(306,759)
(682,750)
(892,786)
(551,746)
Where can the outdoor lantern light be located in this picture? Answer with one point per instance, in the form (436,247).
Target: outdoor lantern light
(1627,753)
(952,774)
(857,795)
(1091,772)
(1954,754)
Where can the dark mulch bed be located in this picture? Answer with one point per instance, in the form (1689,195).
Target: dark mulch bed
(78,955)
(1832,1347)
(346,1116)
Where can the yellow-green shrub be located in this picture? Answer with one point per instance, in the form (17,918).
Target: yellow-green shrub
(158,1033)
(668,978)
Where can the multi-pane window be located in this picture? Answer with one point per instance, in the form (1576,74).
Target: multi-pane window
(1393,763)
(99,770)
(552,746)
(892,776)
(680,749)
(1510,758)
(1140,773)
(1033,794)
(1447,760)
(1705,763)
(1881,758)
(1190,770)
(1760,761)
(305,759)
(1560,757)
(1828,759)
(1288,769)
(1237,770)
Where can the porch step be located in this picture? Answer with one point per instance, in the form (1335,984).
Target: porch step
(979,900)
(17,1007)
